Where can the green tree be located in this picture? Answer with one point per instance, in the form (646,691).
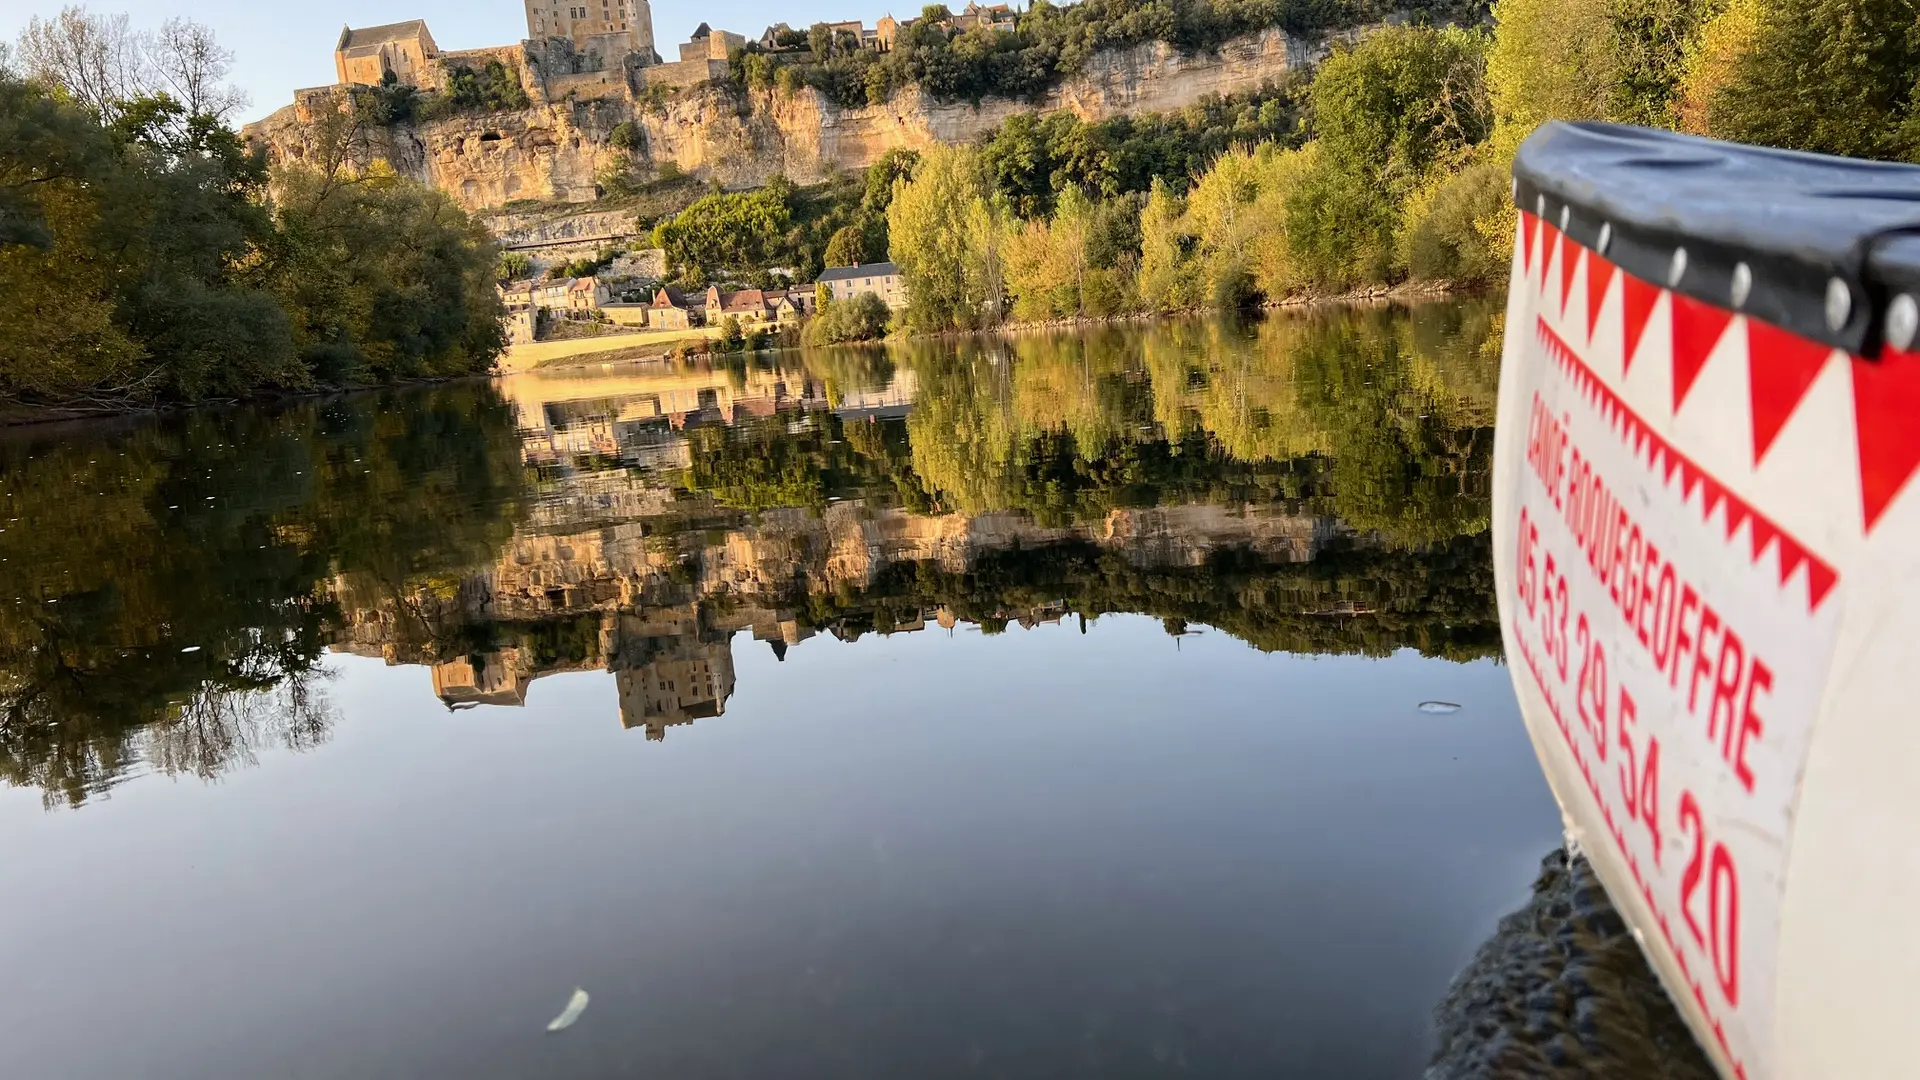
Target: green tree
(946,234)
(1829,76)
(848,247)
(513,266)
(730,233)
(1650,41)
(1550,60)
(1403,102)
(1457,228)
(384,279)
(1167,278)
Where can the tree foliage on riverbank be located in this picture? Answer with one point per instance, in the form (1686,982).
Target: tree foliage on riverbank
(144,260)
(1397,167)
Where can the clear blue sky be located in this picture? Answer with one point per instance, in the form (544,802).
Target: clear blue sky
(282,47)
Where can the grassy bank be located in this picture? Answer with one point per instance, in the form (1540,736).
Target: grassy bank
(543,354)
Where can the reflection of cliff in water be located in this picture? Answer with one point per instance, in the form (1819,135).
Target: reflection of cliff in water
(1311,484)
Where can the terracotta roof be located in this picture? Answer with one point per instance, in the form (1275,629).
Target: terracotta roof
(743,301)
(668,298)
(585,284)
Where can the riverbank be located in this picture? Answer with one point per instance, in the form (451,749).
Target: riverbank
(540,354)
(1368,296)
(656,345)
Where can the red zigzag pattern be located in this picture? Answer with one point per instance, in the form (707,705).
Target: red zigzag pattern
(1783,366)
(1661,458)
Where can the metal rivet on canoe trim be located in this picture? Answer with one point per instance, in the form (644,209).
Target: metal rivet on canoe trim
(1679,268)
(1516,189)
(1606,237)
(1839,304)
(1565,212)
(1903,322)
(1742,284)
(1540,205)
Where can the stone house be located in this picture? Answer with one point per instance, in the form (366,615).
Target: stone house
(367,56)
(520,324)
(770,38)
(552,295)
(980,17)
(748,305)
(881,279)
(669,310)
(587,294)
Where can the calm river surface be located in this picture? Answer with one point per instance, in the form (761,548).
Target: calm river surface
(1020,707)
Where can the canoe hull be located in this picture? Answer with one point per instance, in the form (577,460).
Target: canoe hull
(1703,592)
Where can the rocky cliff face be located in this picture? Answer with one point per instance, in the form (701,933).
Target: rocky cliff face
(554,152)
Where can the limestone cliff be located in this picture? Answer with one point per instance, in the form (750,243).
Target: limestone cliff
(554,150)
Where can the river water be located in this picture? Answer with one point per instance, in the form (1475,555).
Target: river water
(1116,703)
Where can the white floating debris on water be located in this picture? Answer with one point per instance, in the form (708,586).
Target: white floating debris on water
(575,1006)
(191,648)
(1438,708)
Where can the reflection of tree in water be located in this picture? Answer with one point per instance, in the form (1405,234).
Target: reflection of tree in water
(1438,600)
(217,729)
(170,600)
(1384,415)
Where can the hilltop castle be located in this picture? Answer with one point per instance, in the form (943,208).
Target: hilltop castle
(591,68)
(602,36)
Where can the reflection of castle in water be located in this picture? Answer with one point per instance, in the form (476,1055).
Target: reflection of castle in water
(620,568)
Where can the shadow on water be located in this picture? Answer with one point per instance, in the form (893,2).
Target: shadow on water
(1562,989)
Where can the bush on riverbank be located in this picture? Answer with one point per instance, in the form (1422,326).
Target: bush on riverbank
(863,318)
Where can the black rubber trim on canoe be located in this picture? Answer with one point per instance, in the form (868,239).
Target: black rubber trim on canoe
(1800,222)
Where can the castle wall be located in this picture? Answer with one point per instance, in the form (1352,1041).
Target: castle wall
(681,74)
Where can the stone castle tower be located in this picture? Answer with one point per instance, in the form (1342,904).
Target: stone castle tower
(606,27)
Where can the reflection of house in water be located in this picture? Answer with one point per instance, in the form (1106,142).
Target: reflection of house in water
(493,678)
(891,402)
(672,666)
